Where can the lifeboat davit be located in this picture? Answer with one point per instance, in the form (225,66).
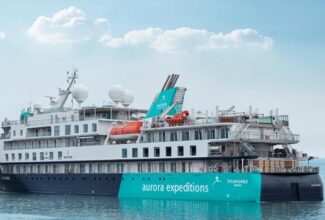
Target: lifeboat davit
(178,119)
(128,132)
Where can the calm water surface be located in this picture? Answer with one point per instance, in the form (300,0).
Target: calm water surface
(33,206)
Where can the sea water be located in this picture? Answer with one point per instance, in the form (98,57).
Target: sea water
(35,206)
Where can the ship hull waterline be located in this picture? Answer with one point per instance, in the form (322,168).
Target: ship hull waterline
(243,187)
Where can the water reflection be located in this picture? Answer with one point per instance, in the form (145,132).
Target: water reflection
(162,209)
(32,206)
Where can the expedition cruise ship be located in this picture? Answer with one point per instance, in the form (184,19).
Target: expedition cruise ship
(164,152)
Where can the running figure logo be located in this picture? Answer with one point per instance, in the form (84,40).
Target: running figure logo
(217,180)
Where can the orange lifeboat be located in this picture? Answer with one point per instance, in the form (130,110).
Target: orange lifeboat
(130,131)
(178,119)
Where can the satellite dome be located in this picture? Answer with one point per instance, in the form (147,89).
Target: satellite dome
(116,93)
(127,98)
(80,93)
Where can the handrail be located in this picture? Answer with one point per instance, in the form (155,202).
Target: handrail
(245,135)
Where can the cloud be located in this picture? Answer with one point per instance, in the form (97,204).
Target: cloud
(131,38)
(66,26)
(101,21)
(2,35)
(70,25)
(186,39)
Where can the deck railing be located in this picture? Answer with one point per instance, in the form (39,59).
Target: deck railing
(267,137)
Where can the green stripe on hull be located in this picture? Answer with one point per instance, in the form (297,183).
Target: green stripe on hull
(192,186)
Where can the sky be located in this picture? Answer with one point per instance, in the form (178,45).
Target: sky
(268,54)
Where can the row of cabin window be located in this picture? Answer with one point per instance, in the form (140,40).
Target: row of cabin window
(168,151)
(98,168)
(185,135)
(42,155)
(67,130)
(52,143)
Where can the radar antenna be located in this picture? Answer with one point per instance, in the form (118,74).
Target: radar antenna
(64,94)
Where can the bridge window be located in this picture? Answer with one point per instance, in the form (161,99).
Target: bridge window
(157,152)
(139,167)
(185,135)
(85,128)
(13,157)
(60,155)
(168,151)
(56,130)
(150,137)
(82,168)
(51,155)
(224,132)
(173,136)
(42,156)
(162,167)
(94,127)
(211,134)
(173,167)
(193,150)
(90,168)
(180,151)
(145,152)
(7,157)
(149,167)
(124,153)
(67,129)
(109,168)
(183,167)
(20,156)
(76,129)
(134,152)
(162,137)
(122,168)
(34,156)
(198,135)
(99,168)
(26,156)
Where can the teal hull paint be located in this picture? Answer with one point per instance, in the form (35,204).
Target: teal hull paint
(192,186)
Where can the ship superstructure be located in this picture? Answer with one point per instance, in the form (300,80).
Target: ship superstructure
(162,152)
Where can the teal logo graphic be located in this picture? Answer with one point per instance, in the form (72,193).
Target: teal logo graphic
(163,101)
(217,180)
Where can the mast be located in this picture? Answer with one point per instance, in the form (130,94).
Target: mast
(64,94)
